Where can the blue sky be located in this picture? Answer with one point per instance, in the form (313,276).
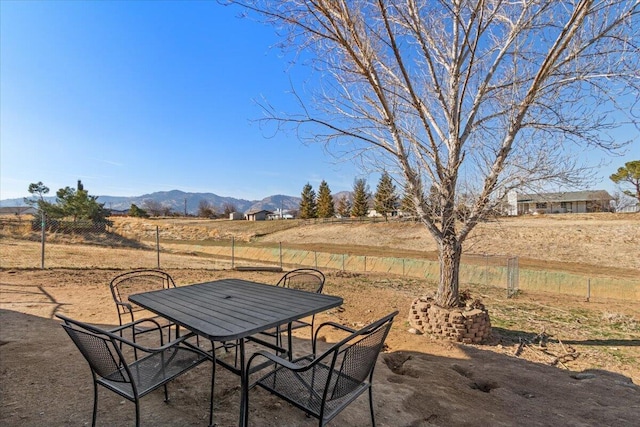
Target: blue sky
(137,97)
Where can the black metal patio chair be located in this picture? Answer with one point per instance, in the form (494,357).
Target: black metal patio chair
(114,366)
(324,384)
(133,282)
(306,279)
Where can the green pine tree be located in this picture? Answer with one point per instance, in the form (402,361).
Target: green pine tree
(629,174)
(385,200)
(135,211)
(79,205)
(308,208)
(408,204)
(344,206)
(326,207)
(360,206)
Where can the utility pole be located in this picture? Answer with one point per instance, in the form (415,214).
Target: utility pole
(185,206)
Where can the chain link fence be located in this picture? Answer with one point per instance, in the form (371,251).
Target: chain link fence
(29,242)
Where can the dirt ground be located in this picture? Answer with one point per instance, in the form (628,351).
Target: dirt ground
(418,381)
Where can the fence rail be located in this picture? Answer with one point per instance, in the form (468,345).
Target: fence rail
(24,247)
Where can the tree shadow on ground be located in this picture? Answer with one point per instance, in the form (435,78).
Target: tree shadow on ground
(609,342)
(113,240)
(508,336)
(28,295)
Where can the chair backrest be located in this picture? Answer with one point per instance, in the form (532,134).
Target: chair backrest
(355,357)
(134,282)
(99,348)
(306,279)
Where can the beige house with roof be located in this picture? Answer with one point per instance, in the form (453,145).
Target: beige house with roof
(563,202)
(258,215)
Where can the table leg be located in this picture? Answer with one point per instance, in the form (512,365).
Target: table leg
(289,342)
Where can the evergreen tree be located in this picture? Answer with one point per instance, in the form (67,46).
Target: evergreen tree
(137,212)
(432,203)
(70,203)
(326,207)
(408,205)
(79,205)
(360,206)
(38,190)
(308,208)
(385,200)
(629,174)
(344,206)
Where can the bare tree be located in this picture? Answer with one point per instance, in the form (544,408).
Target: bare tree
(206,209)
(154,207)
(228,208)
(475,97)
(167,211)
(623,202)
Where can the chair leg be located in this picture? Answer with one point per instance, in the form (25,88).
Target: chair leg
(213,380)
(95,402)
(166,394)
(137,413)
(373,418)
(244,393)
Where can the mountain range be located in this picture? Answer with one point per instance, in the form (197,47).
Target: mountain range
(180,201)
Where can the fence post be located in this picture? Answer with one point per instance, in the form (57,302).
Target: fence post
(588,289)
(42,239)
(342,262)
(280,248)
(315,255)
(486,270)
(233,251)
(158,245)
(365,263)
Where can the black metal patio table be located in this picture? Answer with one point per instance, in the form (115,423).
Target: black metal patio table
(233,310)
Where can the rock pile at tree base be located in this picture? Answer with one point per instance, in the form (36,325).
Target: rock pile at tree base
(469,324)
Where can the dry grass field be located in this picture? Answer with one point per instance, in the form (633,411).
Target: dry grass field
(553,359)
(580,242)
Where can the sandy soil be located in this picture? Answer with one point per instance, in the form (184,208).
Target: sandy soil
(417,382)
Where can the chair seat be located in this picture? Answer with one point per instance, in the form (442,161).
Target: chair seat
(304,389)
(153,371)
(324,384)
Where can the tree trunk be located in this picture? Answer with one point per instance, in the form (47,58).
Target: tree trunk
(450,253)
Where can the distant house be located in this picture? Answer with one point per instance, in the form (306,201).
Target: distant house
(563,202)
(280,214)
(260,215)
(372,213)
(234,216)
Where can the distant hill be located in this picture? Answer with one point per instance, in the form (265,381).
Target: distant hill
(178,201)
(278,201)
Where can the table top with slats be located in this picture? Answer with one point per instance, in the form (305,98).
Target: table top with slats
(230,309)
